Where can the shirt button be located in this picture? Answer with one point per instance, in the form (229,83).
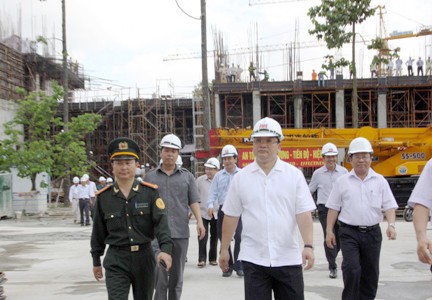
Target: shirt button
(131,240)
(141,212)
(127,215)
(130,227)
(126,202)
(112,216)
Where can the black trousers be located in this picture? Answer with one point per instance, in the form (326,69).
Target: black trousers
(123,268)
(331,254)
(84,209)
(233,261)
(360,265)
(202,244)
(286,282)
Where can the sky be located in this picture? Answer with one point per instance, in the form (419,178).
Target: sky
(124,46)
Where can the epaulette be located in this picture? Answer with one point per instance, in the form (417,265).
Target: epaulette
(103,190)
(151,185)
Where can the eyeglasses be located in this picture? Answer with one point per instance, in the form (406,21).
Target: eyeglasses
(269,141)
(358,156)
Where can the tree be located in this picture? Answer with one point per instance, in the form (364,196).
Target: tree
(32,147)
(336,17)
(385,54)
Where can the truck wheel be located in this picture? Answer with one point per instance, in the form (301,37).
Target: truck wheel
(408,214)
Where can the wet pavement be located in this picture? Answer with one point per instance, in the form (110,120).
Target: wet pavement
(48,258)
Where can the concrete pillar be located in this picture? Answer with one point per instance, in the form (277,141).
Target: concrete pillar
(298,111)
(217,111)
(382,110)
(256,106)
(340,109)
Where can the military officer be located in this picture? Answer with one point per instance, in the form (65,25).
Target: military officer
(128,216)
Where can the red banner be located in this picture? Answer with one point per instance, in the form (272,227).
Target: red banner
(299,157)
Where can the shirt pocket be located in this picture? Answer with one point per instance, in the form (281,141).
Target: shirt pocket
(141,217)
(113,221)
(375,199)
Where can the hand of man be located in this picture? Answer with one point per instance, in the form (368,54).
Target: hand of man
(424,248)
(166,258)
(308,258)
(201,230)
(391,233)
(224,260)
(330,239)
(210,212)
(98,273)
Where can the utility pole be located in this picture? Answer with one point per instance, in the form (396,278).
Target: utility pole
(65,70)
(206,96)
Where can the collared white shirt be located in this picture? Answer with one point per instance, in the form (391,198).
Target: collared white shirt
(422,193)
(361,202)
(83,191)
(203,185)
(93,189)
(268,205)
(73,192)
(322,181)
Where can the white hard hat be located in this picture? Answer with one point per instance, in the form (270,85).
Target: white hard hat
(267,127)
(102,179)
(179,161)
(359,145)
(109,180)
(212,163)
(138,172)
(170,141)
(86,177)
(75,180)
(329,149)
(229,150)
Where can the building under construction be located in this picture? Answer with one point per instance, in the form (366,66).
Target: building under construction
(385,101)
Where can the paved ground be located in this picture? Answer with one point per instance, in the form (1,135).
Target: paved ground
(48,258)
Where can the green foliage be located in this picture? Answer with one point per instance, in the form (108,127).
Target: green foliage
(331,21)
(31,146)
(334,22)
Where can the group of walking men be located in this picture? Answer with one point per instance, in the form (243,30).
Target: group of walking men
(82,195)
(265,205)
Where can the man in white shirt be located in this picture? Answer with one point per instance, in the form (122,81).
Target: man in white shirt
(84,200)
(93,190)
(274,202)
(421,200)
(399,63)
(358,200)
(420,67)
(322,182)
(73,197)
(203,183)
(409,64)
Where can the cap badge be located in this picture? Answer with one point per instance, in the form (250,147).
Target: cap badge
(123,146)
(263,126)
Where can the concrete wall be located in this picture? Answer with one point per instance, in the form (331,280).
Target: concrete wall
(8,110)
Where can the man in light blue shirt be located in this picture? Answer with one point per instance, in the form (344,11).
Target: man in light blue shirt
(217,194)
(322,182)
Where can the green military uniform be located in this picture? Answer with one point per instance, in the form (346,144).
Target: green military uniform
(128,225)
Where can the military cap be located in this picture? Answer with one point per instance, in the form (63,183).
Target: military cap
(123,148)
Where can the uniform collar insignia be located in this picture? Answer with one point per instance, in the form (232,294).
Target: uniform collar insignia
(135,189)
(116,190)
